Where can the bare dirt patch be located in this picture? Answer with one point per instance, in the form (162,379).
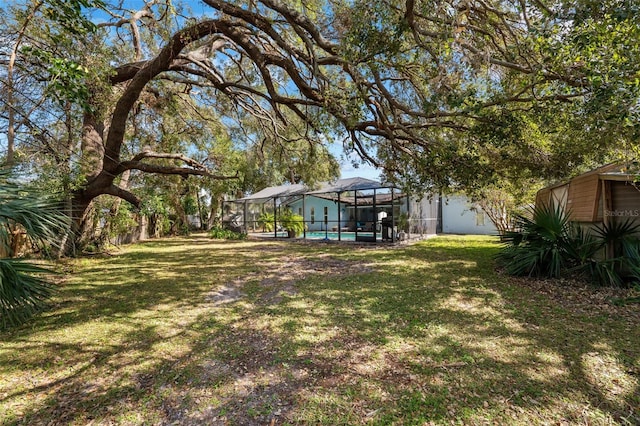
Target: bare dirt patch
(256,388)
(280,277)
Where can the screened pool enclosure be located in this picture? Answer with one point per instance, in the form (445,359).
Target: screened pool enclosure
(353,209)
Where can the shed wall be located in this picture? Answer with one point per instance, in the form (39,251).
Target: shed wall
(625,200)
(543,197)
(582,198)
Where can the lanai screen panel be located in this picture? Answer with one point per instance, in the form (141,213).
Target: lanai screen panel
(362,206)
(233,215)
(423,216)
(268,200)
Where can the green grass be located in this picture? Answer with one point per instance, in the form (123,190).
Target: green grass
(196,331)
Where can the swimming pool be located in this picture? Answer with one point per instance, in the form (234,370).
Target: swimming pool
(332,235)
(321,235)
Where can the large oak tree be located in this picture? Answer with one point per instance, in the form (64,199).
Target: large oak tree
(441,94)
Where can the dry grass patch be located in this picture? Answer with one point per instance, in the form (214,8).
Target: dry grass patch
(194,331)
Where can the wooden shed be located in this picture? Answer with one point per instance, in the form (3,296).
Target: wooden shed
(596,196)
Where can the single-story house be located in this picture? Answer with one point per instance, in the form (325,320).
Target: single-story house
(351,209)
(357,209)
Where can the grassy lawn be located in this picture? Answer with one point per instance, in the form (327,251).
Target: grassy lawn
(195,331)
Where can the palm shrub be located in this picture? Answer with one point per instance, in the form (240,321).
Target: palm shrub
(547,244)
(623,264)
(585,254)
(293,223)
(23,291)
(609,255)
(540,246)
(266,220)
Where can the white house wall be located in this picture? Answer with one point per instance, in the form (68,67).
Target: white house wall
(459,217)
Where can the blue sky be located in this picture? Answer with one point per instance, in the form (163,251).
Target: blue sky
(347,170)
(364,171)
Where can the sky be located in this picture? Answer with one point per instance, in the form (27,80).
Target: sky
(365,171)
(348,170)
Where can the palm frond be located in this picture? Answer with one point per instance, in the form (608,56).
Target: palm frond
(23,292)
(539,246)
(39,215)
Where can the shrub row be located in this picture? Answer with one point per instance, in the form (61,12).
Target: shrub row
(220,233)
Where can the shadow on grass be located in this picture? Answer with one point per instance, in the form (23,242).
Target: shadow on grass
(462,342)
(426,333)
(109,319)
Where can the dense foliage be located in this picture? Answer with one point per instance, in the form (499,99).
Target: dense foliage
(291,222)
(266,220)
(443,95)
(547,244)
(219,233)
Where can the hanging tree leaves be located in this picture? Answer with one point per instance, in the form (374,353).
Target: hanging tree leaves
(442,94)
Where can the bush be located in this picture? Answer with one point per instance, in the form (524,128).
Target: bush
(541,245)
(623,265)
(549,245)
(266,221)
(293,223)
(220,233)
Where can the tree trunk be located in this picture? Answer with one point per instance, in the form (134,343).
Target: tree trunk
(213,214)
(92,147)
(79,209)
(113,211)
(201,225)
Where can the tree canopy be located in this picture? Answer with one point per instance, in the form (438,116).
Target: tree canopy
(456,94)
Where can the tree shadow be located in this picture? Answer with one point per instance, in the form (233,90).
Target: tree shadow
(422,333)
(551,357)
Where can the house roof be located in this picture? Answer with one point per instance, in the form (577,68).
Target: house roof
(349,184)
(276,192)
(340,185)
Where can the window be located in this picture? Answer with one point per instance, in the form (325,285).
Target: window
(479,218)
(313,215)
(326,215)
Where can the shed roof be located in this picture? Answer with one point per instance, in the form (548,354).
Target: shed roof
(340,185)
(611,169)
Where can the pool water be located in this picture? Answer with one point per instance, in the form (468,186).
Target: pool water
(321,235)
(332,235)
